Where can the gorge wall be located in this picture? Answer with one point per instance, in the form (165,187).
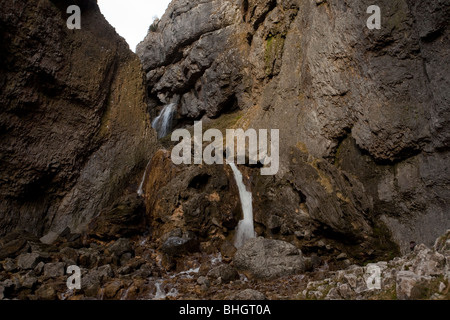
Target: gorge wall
(73,123)
(363,120)
(363,116)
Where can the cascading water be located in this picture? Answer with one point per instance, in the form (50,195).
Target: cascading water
(163,123)
(140,191)
(245,229)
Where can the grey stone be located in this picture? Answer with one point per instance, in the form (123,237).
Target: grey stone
(266,258)
(49,238)
(29,281)
(27,261)
(54,270)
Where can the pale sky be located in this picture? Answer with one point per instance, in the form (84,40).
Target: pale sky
(132,18)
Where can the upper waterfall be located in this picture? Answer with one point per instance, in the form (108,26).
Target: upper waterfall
(163,123)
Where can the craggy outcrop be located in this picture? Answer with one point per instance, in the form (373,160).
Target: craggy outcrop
(363,114)
(73,123)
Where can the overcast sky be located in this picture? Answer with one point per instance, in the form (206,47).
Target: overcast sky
(132,18)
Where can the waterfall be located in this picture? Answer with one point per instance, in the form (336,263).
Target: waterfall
(245,229)
(163,123)
(140,191)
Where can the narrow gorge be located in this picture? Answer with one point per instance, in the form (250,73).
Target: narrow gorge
(87,176)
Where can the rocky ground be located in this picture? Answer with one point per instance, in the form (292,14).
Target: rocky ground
(134,268)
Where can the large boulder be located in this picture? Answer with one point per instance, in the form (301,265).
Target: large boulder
(267,259)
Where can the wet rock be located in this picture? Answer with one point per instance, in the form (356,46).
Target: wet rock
(178,245)
(248,294)
(27,261)
(267,259)
(225,272)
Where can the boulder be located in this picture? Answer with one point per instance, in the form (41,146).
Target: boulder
(225,272)
(49,238)
(185,242)
(54,270)
(27,261)
(267,259)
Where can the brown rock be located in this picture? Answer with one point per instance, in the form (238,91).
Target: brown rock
(75,130)
(125,218)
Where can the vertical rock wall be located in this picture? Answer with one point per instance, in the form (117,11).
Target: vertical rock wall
(73,123)
(362,113)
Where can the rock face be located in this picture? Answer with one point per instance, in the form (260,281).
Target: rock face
(73,123)
(363,114)
(185,199)
(267,259)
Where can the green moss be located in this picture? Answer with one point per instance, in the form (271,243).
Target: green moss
(274,49)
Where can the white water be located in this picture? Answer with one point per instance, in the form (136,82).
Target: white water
(161,294)
(140,191)
(245,229)
(163,123)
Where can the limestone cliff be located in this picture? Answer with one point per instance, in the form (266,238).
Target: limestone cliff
(363,114)
(73,123)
